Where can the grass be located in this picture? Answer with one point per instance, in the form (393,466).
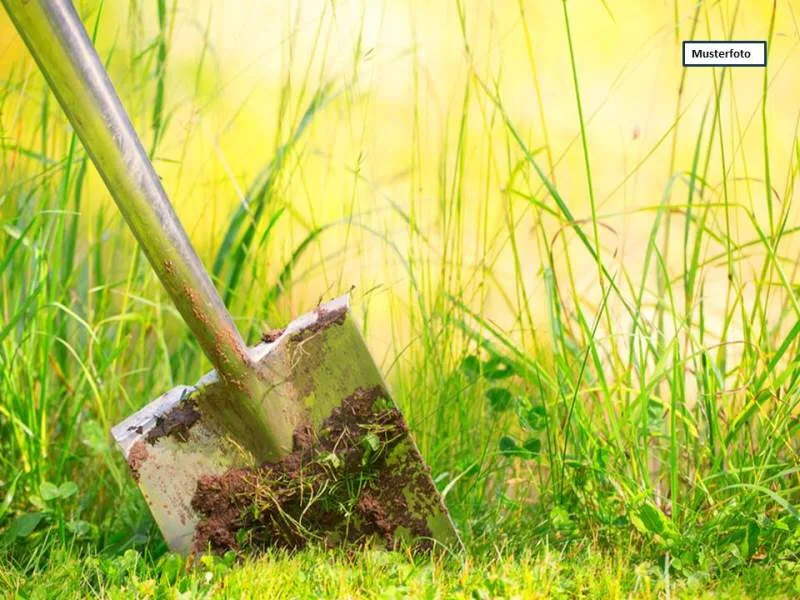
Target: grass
(598,357)
(371,574)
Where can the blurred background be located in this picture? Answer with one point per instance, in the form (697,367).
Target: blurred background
(404,127)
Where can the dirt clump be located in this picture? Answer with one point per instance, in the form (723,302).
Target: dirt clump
(272,335)
(336,487)
(325,318)
(137,455)
(176,422)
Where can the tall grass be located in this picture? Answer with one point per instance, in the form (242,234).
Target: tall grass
(575,370)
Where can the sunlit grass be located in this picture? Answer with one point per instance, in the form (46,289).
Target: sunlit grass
(371,574)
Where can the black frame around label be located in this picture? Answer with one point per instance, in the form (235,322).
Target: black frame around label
(751,42)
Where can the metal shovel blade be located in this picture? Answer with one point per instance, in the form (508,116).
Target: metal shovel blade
(355,474)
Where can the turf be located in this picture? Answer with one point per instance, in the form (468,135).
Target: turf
(575,262)
(377,574)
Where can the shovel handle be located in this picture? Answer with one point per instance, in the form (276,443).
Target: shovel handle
(61,47)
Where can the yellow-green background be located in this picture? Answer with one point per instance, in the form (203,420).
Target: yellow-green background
(390,135)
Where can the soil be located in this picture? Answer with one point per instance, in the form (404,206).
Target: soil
(334,488)
(137,455)
(325,319)
(176,423)
(272,335)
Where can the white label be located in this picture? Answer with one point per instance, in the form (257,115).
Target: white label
(725,54)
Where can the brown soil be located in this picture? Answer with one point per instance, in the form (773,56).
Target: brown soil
(271,335)
(177,422)
(325,319)
(137,455)
(335,487)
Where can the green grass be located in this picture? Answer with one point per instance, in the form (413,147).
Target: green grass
(603,423)
(374,574)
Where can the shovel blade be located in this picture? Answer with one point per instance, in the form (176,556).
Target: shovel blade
(355,474)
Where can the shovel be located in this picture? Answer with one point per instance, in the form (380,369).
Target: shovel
(295,440)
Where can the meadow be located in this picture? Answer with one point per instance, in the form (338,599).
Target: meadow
(575,261)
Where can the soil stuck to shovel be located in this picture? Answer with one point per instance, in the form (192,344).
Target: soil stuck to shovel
(177,422)
(341,484)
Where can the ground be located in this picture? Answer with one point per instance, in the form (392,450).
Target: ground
(379,574)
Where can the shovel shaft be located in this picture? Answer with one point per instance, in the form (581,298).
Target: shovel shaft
(60,45)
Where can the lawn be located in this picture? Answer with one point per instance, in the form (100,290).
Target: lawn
(378,574)
(574,261)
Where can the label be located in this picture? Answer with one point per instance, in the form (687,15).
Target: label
(725,54)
